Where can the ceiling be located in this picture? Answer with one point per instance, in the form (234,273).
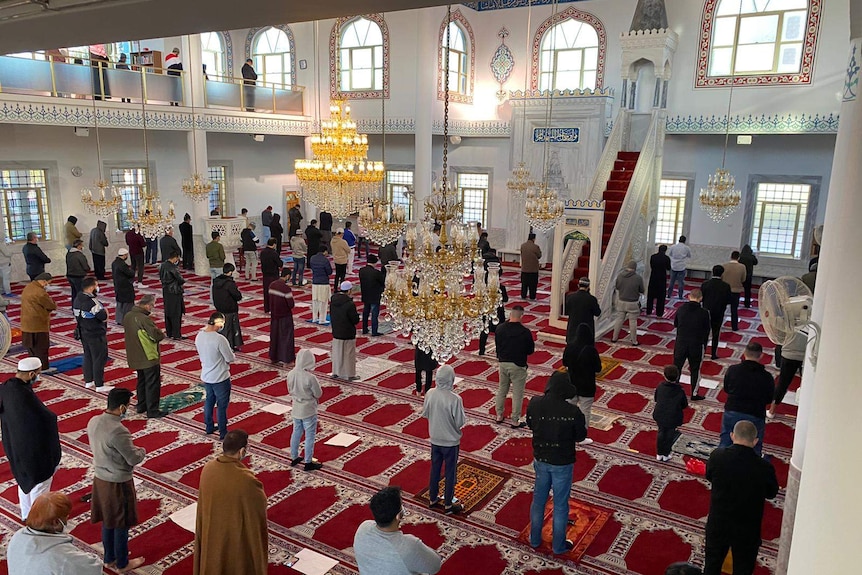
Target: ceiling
(27,25)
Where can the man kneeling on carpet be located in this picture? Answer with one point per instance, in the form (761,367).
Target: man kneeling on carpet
(382,549)
(557,426)
(445,412)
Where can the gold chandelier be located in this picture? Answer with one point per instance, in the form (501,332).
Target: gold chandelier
(107,201)
(383,224)
(543,208)
(428,298)
(149,218)
(197,187)
(520,182)
(339,179)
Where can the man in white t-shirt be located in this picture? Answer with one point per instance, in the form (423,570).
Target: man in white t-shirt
(381,548)
(216,356)
(679,254)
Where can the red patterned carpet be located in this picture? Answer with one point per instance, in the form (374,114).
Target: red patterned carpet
(657,511)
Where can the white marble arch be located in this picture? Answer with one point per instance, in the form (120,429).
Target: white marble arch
(583,221)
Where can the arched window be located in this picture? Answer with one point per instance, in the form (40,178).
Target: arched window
(361,57)
(272,52)
(461,59)
(213,53)
(757,42)
(569,52)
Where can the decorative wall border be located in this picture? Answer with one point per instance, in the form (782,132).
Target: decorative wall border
(806,68)
(465,27)
(505,4)
(778,124)
(227,43)
(252,34)
(575,14)
(334,42)
(539,96)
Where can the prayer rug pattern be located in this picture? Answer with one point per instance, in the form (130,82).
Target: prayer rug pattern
(475,484)
(585,523)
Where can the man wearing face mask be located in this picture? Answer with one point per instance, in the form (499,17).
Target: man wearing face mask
(36,308)
(30,436)
(115,503)
(92,318)
(124,287)
(142,339)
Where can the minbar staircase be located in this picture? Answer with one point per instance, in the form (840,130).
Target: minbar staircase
(614,194)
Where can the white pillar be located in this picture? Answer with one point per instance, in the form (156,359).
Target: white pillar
(826,531)
(197,144)
(426,99)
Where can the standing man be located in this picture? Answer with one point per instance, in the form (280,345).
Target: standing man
(371,283)
(92,320)
(514,343)
(679,254)
(151,254)
(340,255)
(142,353)
(629,287)
(5,269)
(265,220)
(749,260)
(313,238)
(172,293)
(294,217)
(77,267)
(136,243)
(380,547)
(749,389)
(387,254)
(692,334)
(716,295)
(124,289)
(226,298)
(734,274)
(530,256)
(34,256)
(230,529)
(36,308)
(98,243)
(659,265)
(270,268)
(71,232)
(250,80)
(249,251)
(282,343)
(305,391)
(344,318)
(444,411)
(581,307)
(557,426)
(321,269)
(31,440)
(115,502)
(215,255)
(168,244)
(741,482)
(188,243)
(350,238)
(300,254)
(216,356)
(326,230)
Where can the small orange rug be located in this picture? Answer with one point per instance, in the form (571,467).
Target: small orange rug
(475,484)
(608,365)
(587,521)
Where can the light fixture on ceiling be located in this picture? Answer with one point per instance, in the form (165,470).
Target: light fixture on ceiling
(197,188)
(106,201)
(521,180)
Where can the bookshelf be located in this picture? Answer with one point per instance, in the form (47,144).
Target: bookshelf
(147,59)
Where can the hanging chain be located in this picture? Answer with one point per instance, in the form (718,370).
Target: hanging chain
(730,98)
(526,77)
(144,124)
(446,99)
(550,107)
(98,140)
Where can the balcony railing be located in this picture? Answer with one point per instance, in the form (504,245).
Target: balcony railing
(103,81)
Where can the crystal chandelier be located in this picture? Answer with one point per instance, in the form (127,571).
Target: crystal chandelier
(149,218)
(106,201)
(339,179)
(520,182)
(382,224)
(197,188)
(428,298)
(543,209)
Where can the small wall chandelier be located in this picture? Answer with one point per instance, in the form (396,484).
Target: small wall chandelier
(106,201)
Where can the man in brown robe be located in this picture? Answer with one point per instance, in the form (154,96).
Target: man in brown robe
(282,347)
(230,531)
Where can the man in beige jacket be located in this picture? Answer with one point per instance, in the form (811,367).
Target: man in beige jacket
(734,275)
(36,308)
(340,255)
(530,256)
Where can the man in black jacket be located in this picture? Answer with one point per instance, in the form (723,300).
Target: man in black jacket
(716,294)
(29,432)
(659,265)
(557,426)
(313,237)
(168,244)
(749,388)
(325,231)
(249,79)
(741,482)
(226,298)
(172,293)
(388,253)
(124,289)
(77,268)
(344,317)
(514,343)
(692,333)
(250,243)
(34,256)
(371,285)
(581,307)
(270,268)
(92,321)
(294,218)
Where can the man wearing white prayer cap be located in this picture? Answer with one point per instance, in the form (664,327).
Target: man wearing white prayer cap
(31,439)
(343,317)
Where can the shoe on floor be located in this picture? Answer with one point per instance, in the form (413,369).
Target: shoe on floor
(353,378)
(105,388)
(697,398)
(295,461)
(313,465)
(454,509)
(519,425)
(49,371)
(770,414)
(586,441)
(713,356)
(90,384)
(569,546)
(435,504)
(159,415)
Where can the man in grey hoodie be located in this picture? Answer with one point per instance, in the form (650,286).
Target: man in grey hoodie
(305,390)
(629,287)
(445,413)
(98,243)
